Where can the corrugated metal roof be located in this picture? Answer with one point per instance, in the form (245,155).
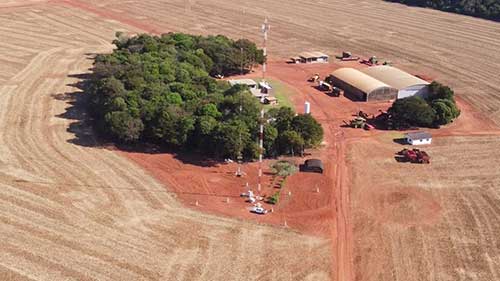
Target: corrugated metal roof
(308,55)
(319,54)
(418,135)
(358,79)
(314,163)
(248,82)
(393,77)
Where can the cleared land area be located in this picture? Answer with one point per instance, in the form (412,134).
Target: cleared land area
(427,222)
(73,211)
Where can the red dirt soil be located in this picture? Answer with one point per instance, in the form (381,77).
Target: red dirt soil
(326,213)
(305,210)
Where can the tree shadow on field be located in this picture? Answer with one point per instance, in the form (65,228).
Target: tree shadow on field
(401,141)
(81,127)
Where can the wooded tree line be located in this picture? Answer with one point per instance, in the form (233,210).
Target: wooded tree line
(159,89)
(489,9)
(439,108)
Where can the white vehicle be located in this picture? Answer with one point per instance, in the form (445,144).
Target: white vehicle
(247,194)
(251,199)
(257,209)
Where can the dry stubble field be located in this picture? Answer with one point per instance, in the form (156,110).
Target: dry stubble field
(427,222)
(70,211)
(461,51)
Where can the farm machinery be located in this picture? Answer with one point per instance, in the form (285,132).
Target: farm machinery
(314,78)
(371,61)
(327,86)
(413,156)
(347,56)
(336,92)
(359,121)
(324,86)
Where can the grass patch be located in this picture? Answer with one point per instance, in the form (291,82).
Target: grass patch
(282,92)
(273,200)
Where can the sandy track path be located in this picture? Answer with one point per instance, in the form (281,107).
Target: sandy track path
(71,211)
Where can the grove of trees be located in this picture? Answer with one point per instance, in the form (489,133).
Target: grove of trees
(159,89)
(489,9)
(439,108)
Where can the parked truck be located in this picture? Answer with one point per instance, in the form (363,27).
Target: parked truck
(413,156)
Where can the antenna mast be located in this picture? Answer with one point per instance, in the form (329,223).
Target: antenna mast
(261,147)
(265,29)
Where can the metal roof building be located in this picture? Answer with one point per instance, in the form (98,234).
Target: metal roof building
(362,86)
(407,84)
(249,82)
(311,57)
(312,165)
(418,138)
(252,86)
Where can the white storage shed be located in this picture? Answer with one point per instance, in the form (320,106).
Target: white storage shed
(418,138)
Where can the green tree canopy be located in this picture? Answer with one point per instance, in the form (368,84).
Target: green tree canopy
(412,111)
(439,108)
(489,9)
(159,90)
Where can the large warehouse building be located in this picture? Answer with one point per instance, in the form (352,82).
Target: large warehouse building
(407,84)
(362,86)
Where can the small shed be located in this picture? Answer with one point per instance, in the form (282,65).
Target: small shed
(270,100)
(418,138)
(312,165)
(257,90)
(310,57)
(265,88)
(248,82)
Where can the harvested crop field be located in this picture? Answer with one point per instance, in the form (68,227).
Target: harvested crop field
(73,211)
(459,50)
(427,222)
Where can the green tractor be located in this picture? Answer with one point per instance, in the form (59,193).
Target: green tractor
(357,122)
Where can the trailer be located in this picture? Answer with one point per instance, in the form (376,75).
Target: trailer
(347,56)
(413,156)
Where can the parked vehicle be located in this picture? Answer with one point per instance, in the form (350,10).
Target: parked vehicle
(312,165)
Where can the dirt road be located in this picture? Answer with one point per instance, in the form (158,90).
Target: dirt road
(72,211)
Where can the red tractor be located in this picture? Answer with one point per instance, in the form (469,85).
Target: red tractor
(414,156)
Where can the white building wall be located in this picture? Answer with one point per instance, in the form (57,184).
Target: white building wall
(322,60)
(416,90)
(419,142)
